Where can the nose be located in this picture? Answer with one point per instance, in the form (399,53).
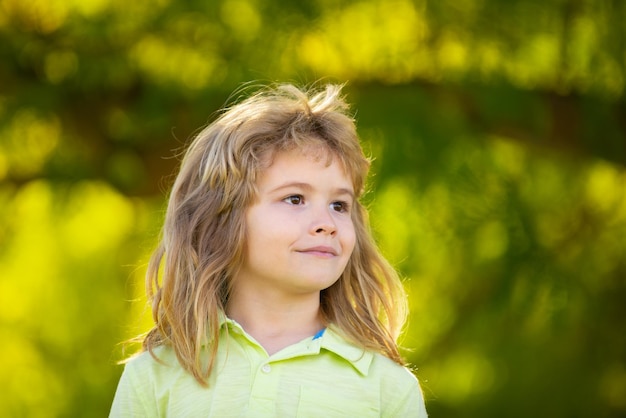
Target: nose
(323,223)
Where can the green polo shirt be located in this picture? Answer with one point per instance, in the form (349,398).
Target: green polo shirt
(321,376)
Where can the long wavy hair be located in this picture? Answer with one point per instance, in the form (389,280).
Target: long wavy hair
(202,243)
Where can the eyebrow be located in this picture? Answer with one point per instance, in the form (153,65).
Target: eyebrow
(308,187)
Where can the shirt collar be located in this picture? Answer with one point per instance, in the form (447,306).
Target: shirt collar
(331,340)
(358,357)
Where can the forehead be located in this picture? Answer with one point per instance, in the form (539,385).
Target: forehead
(313,164)
(317,152)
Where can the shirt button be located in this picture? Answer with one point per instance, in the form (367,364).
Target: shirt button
(266,368)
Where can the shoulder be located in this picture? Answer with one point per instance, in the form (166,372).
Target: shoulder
(159,366)
(396,387)
(147,381)
(389,369)
(368,363)
(401,394)
(160,356)
(134,394)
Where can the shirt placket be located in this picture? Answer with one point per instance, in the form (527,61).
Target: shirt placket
(264,389)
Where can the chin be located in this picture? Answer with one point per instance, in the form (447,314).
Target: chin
(322,284)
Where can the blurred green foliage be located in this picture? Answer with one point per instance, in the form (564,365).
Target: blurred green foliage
(499,190)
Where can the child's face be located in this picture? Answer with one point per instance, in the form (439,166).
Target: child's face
(300,233)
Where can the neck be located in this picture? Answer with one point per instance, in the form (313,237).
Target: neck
(275,321)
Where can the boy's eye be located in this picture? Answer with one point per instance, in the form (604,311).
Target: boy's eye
(340,206)
(295,199)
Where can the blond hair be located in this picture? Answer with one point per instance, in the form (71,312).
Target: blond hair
(202,246)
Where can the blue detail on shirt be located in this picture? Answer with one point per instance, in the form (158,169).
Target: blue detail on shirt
(319,334)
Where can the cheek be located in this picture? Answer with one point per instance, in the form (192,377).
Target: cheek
(267,228)
(254,230)
(349,238)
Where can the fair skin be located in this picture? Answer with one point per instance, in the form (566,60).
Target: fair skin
(300,237)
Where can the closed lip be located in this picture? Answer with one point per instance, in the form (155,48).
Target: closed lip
(319,249)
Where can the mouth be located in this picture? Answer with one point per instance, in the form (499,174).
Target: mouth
(321,251)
